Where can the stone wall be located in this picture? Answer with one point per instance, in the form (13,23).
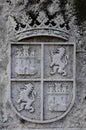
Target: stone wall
(14,26)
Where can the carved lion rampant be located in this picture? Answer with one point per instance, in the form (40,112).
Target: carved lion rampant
(59,61)
(27,97)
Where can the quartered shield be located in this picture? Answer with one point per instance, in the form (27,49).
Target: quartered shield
(42,80)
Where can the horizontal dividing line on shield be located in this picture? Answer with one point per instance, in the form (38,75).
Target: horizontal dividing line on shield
(81,80)
(25,80)
(50,80)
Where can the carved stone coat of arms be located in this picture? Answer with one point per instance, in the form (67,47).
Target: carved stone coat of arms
(42,80)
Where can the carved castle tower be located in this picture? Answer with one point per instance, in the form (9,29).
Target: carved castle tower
(26,62)
(57,97)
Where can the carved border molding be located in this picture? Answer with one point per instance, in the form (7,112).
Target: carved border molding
(42,32)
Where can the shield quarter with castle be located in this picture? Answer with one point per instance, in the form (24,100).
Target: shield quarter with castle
(42,80)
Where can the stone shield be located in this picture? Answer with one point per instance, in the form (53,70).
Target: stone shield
(42,80)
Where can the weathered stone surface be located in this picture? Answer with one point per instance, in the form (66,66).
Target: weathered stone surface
(42,21)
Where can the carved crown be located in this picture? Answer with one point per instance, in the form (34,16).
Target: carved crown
(40,17)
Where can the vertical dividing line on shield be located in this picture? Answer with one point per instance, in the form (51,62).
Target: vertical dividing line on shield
(74,71)
(42,75)
(10,69)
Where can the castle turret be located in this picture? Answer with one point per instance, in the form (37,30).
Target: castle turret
(57,97)
(26,62)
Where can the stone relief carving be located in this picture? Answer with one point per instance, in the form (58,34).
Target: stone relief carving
(41,95)
(57,63)
(26,60)
(27,97)
(39,15)
(49,8)
(42,18)
(57,99)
